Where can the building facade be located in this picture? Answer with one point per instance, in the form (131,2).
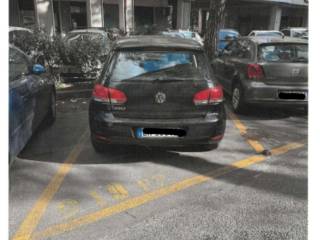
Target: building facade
(128,15)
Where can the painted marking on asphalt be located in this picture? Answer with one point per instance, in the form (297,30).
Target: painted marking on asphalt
(117,191)
(256,145)
(100,201)
(68,208)
(31,221)
(144,184)
(151,196)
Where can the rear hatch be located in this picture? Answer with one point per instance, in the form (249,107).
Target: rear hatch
(284,63)
(160,84)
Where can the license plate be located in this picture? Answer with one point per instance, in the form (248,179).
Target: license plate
(140,134)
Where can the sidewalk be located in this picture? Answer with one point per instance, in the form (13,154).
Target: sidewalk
(74,90)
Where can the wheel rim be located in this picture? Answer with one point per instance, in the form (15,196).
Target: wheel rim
(236,98)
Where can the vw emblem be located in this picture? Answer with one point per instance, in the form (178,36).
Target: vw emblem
(160,97)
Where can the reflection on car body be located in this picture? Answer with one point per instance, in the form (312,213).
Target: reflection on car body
(31,99)
(266,71)
(157,91)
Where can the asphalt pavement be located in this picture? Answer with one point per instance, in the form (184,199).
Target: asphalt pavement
(254,186)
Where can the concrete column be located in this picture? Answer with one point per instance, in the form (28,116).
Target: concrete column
(129,15)
(275,18)
(14,13)
(305,20)
(65,16)
(95,13)
(183,14)
(200,20)
(44,15)
(122,20)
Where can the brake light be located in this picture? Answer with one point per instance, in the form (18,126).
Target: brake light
(109,95)
(209,96)
(255,71)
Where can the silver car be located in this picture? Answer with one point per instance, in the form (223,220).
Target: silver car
(270,71)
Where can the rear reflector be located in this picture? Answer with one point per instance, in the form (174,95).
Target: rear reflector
(209,96)
(217,138)
(255,71)
(109,95)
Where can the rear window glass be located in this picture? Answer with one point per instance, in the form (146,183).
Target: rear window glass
(150,65)
(283,53)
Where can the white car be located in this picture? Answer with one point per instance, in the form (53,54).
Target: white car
(265,33)
(298,32)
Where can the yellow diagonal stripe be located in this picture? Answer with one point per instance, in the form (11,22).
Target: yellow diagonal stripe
(31,221)
(140,200)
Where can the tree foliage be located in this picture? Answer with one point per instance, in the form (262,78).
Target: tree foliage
(214,23)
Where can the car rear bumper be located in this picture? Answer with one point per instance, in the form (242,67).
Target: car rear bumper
(106,128)
(261,93)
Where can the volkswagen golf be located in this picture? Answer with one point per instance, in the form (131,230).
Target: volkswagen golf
(157,91)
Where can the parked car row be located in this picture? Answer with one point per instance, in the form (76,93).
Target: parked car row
(271,71)
(32,99)
(162,90)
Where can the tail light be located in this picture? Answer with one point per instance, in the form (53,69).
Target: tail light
(209,96)
(109,95)
(255,71)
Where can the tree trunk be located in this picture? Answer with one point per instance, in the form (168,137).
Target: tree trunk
(214,23)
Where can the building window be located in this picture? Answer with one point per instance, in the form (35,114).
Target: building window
(111,15)
(78,14)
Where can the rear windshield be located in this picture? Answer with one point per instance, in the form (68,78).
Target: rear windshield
(164,65)
(283,52)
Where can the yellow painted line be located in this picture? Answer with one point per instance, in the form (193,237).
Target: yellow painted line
(100,201)
(117,191)
(31,221)
(145,198)
(256,145)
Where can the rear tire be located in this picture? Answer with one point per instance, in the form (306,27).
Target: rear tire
(99,147)
(237,99)
(51,116)
(210,147)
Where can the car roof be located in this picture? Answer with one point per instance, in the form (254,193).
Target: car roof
(18,49)
(265,31)
(228,30)
(156,41)
(295,28)
(262,40)
(19,29)
(88,31)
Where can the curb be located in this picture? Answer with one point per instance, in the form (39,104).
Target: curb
(65,94)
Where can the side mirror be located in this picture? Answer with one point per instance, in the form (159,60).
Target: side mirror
(38,69)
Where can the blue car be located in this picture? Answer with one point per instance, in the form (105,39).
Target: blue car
(32,99)
(223,33)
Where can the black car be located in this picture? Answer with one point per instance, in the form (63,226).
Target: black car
(157,91)
(266,71)
(31,99)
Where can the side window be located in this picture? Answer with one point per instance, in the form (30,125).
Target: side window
(245,50)
(286,33)
(18,64)
(231,49)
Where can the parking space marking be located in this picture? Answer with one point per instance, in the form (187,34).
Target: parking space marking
(68,208)
(98,198)
(151,196)
(117,191)
(256,145)
(31,221)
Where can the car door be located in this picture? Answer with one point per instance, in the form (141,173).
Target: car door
(21,102)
